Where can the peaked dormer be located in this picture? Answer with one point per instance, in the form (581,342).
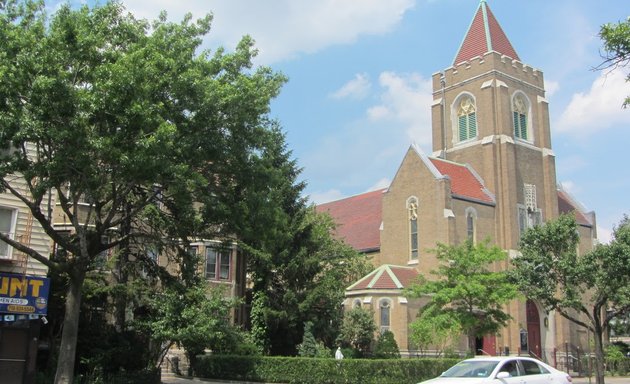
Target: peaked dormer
(484,35)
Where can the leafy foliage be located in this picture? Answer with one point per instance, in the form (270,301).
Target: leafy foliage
(438,331)
(616,39)
(467,290)
(142,141)
(358,330)
(386,347)
(197,318)
(311,347)
(590,289)
(321,371)
(300,277)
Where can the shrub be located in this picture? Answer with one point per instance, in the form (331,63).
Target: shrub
(298,370)
(616,362)
(386,346)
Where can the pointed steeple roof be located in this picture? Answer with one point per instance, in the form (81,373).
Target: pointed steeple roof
(484,35)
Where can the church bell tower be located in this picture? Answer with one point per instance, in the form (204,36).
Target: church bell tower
(489,110)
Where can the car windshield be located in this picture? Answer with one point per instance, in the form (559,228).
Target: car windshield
(471,368)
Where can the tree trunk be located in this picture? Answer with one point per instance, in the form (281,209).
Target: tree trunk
(472,343)
(69,335)
(599,355)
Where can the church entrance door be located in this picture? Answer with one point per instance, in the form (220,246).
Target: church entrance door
(533,329)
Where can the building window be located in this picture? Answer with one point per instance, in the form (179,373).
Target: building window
(385,309)
(529,215)
(520,111)
(8,218)
(412,210)
(471,224)
(356,303)
(466,114)
(217,264)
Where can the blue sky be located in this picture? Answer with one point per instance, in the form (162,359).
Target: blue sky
(359,83)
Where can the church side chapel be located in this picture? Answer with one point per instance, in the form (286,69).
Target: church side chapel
(491,175)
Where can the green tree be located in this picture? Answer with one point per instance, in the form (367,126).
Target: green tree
(386,347)
(302,272)
(589,290)
(616,50)
(438,330)
(357,330)
(196,319)
(468,288)
(125,121)
(310,347)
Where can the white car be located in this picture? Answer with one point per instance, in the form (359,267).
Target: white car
(501,370)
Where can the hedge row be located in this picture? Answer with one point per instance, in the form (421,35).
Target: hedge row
(298,370)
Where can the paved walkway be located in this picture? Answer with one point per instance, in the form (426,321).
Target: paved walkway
(180,380)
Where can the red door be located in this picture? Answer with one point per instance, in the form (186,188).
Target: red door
(533,329)
(490,344)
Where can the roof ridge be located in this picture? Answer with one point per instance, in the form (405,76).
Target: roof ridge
(353,196)
(447,161)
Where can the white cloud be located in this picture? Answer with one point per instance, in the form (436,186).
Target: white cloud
(326,196)
(378,112)
(604,235)
(284,28)
(569,186)
(382,183)
(599,108)
(406,100)
(357,88)
(551,87)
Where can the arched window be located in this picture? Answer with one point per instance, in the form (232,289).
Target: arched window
(385,309)
(466,114)
(471,224)
(520,111)
(412,211)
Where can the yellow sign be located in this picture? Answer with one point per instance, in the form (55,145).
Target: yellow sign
(21,308)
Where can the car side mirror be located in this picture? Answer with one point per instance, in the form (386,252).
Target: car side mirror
(503,375)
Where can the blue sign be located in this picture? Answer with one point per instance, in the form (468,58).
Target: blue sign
(20,294)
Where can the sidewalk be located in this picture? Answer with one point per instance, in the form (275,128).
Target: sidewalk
(180,380)
(609,380)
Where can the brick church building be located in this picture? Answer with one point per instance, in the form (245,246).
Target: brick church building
(492,174)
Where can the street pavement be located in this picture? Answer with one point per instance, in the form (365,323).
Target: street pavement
(609,380)
(181,380)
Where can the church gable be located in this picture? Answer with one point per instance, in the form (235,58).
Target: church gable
(386,277)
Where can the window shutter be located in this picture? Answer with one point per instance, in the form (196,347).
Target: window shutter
(472,125)
(462,128)
(523,119)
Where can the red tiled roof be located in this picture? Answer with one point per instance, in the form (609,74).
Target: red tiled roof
(386,277)
(484,35)
(464,183)
(566,205)
(358,218)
